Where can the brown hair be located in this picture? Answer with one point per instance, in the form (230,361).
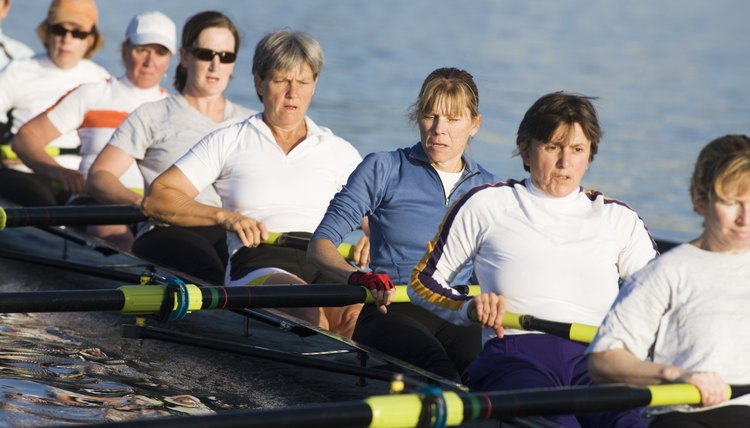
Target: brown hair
(552,110)
(453,85)
(723,163)
(192,30)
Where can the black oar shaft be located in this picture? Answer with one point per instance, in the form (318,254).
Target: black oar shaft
(147,299)
(62,301)
(544,402)
(289,296)
(73,215)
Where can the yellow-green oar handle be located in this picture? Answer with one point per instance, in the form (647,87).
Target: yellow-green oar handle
(6,152)
(3,218)
(346,250)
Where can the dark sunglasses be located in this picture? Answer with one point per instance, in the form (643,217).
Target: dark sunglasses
(208,55)
(59,30)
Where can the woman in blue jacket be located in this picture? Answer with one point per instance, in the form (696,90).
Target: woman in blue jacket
(404,194)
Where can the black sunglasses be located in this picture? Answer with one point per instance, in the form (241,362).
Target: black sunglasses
(59,30)
(204,54)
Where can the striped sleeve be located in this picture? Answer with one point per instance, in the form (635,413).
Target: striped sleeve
(454,246)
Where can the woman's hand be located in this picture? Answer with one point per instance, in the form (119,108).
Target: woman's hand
(380,285)
(250,231)
(489,309)
(361,256)
(712,387)
(71,180)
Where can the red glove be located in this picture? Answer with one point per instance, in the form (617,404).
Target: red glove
(373,281)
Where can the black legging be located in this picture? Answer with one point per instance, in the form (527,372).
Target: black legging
(197,251)
(420,337)
(30,190)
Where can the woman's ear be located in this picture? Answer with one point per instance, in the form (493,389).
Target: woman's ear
(700,205)
(477,124)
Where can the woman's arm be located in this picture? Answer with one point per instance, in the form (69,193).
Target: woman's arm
(103,182)
(620,365)
(29,144)
(323,253)
(171,199)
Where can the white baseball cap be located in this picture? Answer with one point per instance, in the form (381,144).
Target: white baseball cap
(152,27)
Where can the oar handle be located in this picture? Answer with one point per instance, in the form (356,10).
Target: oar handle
(577,332)
(7,153)
(286,240)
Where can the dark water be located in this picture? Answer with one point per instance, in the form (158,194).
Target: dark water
(48,377)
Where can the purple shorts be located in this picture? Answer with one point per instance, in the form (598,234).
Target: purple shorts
(542,361)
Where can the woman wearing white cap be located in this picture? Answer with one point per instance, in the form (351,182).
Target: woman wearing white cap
(96,109)
(30,86)
(157,134)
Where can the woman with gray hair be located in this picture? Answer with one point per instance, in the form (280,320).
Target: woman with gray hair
(274,171)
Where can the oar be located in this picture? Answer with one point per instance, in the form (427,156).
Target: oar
(573,331)
(148,299)
(73,215)
(445,408)
(6,152)
(300,243)
(142,300)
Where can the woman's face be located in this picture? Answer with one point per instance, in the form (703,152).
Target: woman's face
(445,136)
(727,222)
(287,95)
(208,78)
(65,46)
(145,65)
(557,166)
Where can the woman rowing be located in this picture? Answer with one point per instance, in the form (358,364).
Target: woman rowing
(404,194)
(156,134)
(274,171)
(96,109)
(31,85)
(542,246)
(684,317)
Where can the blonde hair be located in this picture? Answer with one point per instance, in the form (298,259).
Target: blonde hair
(723,165)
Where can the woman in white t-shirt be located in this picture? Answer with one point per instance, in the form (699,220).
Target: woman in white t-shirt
(29,86)
(274,171)
(684,317)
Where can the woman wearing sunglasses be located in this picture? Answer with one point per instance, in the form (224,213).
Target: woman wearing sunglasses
(29,86)
(274,171)
(156,134)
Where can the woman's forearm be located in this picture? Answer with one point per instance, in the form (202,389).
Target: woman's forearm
(324,254)
(105,187)
(177,208)
(621,366)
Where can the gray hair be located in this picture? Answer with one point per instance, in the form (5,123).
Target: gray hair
(284,50)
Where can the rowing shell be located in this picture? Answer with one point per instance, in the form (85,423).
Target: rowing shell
(239,381)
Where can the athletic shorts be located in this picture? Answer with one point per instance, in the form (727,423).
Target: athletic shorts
(291,260)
